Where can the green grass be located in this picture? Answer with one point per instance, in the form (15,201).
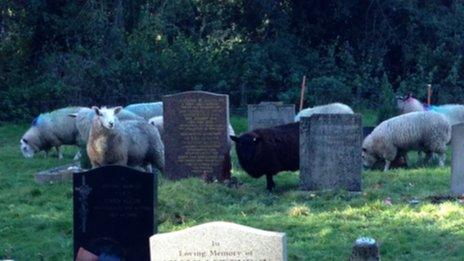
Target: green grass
(36,220)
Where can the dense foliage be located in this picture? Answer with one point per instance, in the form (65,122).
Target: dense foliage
(57,52)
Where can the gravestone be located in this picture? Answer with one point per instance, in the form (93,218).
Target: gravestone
(365,249)
(114,213)
(457,162)
(60,174)
(219,241)
(195,135)
(330,152)
(269,114)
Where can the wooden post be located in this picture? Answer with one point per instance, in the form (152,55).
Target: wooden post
(303,87)
(429,94)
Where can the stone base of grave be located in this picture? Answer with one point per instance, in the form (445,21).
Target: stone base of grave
(57,175)
(365,249)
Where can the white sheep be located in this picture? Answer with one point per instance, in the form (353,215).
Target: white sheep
(420,131)
(129,142)
(408,104)
(84,118)
(51,129)
(146,110)
(332,108)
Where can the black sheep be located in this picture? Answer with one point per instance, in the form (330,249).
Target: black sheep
(269,151)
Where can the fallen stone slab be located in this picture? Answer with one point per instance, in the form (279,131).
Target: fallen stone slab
(59,174)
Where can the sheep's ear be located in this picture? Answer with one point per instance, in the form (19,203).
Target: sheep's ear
(117,109)
(234,138)
(72,115)
(97,110)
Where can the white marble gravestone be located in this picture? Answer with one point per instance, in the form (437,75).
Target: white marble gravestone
(219,241)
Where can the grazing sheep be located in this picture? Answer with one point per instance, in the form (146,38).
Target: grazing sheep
(129,142)
(454,113)
(422,131)
(84,118)
(332,108)
(51,129)
(146,110)
(269,151)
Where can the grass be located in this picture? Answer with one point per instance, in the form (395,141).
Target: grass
(36,220)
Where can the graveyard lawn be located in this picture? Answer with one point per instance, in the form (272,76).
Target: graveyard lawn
(36,220)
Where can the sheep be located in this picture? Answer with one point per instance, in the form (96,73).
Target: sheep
(422,131)
(129,142)
(84,119)
(269,151)
(332,108)
(146,110)
(454,113)
(51,129)
(408,104)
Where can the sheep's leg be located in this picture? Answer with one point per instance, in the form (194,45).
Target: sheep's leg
(270,182)
(149,168)
(60,154)
(441,159)
(387,165)
(78,155)
(428,157)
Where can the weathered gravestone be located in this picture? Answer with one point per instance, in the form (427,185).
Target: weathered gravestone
(269,114)
(57,175)
(114,213)
(219,241)
(457,159)
(195,135)
(330,152)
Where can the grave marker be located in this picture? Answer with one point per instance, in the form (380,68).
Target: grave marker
(195,135)
(269,114)
(114,213)
(219,241)
(330,152)
(457,162)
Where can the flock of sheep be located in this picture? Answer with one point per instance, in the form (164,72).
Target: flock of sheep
(133,136)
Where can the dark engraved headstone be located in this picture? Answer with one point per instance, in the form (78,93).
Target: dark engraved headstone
(330,152)
(270,114)
(195,135)
(114,213)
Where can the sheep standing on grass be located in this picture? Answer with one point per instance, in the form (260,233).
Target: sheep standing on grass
(48,130)
(332,108)
(269,151)
(421,131)
(130,142)
(146,110)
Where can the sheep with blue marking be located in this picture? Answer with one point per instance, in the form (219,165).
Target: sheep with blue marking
(129,142)
(146,110)
(51,129)
(332,108)
(428,132)
(454,113)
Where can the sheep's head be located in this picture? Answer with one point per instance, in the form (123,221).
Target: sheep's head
(247,145)
(369,157)
(27,149)
(107,116)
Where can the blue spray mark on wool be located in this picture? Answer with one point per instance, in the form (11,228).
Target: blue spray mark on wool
(37,120)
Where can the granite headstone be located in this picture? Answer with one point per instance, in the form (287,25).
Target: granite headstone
(219,241)
(457,162)
(330,152)
(195,135)
(114,213)
(269,114)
